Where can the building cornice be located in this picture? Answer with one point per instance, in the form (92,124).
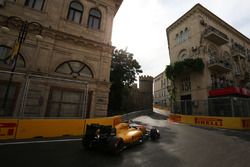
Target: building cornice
(77,40)
(200,8)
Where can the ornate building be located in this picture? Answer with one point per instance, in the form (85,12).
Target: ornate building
(224,51)
(67,72)
(161,95)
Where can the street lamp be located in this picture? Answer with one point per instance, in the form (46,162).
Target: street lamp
(24,27)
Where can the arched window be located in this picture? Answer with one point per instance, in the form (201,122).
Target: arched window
(186,33)
(177,38)
(183,55)
(35,4)
(94,20)
(74,68)
(5,54)
(75,12)
(181,36)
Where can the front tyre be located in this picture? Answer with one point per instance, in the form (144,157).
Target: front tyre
(154,134)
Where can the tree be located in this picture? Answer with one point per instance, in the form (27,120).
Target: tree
(124,69)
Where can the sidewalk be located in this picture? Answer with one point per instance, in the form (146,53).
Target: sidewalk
(162,111)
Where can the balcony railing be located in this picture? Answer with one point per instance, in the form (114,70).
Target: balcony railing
(238,50)
(216,36)
(228,91)
(248,57)
(219,65)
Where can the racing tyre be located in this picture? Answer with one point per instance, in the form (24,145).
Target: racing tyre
(154,134)
(116,145)
(88,145)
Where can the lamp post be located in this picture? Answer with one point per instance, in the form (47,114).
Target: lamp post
(24,27)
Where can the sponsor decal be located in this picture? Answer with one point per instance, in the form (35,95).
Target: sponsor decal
(175,118)
(7,129)
(208,121)
(246,123)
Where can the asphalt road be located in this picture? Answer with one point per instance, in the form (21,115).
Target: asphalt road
(179,146)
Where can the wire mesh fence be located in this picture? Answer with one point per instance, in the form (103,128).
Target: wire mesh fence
(35,96)
(220,106)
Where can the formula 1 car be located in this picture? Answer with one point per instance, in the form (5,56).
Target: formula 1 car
(116,139)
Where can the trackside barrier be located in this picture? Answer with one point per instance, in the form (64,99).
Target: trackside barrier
(33,128)
(8,128)
(241,123)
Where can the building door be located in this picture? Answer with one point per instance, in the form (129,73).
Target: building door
(186,105)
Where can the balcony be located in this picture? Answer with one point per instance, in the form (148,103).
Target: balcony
(229,91)
(246,77)
(216,36)
(219,66)
(238,51)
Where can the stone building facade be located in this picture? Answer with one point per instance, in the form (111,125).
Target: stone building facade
(160,86)
(141,98)
(225,53)
(76,50)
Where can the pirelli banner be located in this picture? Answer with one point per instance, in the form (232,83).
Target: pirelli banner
(217,122)
(33,128)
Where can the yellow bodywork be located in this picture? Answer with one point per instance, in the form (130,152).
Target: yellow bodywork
(128,134)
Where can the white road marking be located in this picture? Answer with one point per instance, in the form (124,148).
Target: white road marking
(42,141)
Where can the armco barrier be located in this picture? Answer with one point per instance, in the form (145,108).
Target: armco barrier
(211,121)
(32,128)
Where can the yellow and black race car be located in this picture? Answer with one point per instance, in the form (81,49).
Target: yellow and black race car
(118,138)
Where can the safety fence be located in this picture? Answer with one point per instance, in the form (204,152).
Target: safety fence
(25,95)
(219,107)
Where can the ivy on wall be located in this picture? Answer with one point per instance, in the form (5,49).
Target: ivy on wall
(182,67)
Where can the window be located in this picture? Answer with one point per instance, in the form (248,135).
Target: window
(183,55)
(35,4)
(94,19)
(75,12)
(65,103)
(177,39)
(5,53)
(186,33)
(212,55)
(182,36)
(186,84)
(10,101)
(74,68)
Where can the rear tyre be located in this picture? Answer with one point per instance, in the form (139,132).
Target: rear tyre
(116,145)
(87,144)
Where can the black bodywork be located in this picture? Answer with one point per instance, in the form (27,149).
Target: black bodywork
(102,137)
